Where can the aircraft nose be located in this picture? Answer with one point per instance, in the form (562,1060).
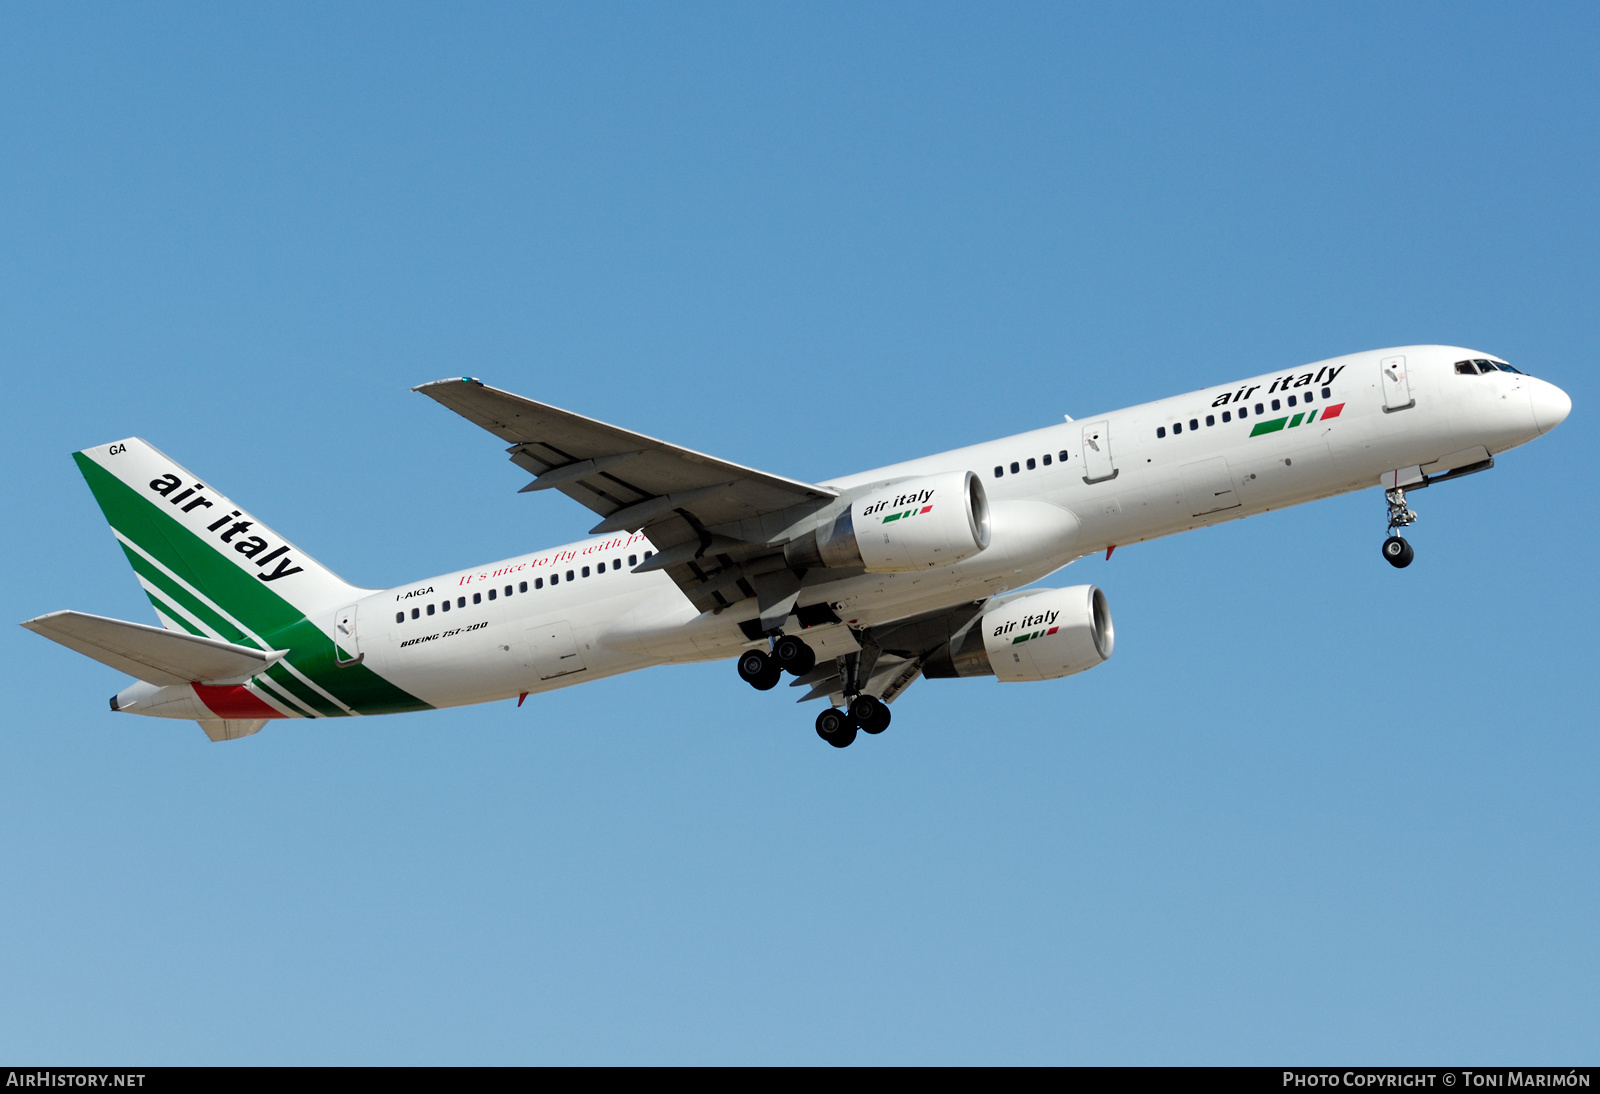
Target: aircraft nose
(1551,405)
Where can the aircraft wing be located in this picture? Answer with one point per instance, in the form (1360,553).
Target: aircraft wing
(708,519)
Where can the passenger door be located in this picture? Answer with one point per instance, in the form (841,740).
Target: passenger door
(1396,385)
(1097,462)
(346,640)
(552,652)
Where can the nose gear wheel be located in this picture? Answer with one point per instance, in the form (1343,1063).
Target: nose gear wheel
(1396,551)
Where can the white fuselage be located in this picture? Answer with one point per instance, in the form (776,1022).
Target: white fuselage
(1133,486)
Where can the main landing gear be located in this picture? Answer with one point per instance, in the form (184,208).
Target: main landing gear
(866,713)
(862,713)
(1396,551)
(835,727)
(759,671)
(762,671)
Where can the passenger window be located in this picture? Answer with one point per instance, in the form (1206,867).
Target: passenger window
(1015,467)
(508,590)
(522,586)
(1031,465)
(1211,419)
(445,606)
(415,613)
(491,594)
(616,564)
(430,609)
(461,602)
(647,554)
(1161,431)
(1244,412)
(1275,404)
(569,575)
(1260,410)
(399,617)
(477,598)
(1194,423)
(1047,459)
(633,560)
(999,472)
(1063,455)
(1327,393)
(1307,397)
(538,583)
(1177,427)
(586,571)
(555,579)
(1226,416)
(1291,402)
(600,568)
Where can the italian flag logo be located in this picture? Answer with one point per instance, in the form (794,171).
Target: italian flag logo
(906,514)
(1287,422)
(1036,634)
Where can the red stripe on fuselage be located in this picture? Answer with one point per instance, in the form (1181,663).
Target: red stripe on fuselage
(1332,411)
(233,701)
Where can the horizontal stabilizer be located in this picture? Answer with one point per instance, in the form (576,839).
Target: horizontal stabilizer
(150,653)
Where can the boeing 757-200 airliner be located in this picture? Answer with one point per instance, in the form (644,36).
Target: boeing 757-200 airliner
(854,587)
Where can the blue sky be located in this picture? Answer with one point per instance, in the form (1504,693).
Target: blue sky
(1314,809)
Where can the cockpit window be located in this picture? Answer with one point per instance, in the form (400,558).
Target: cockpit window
(1484,366)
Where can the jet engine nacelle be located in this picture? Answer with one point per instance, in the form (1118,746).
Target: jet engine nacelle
(1038,636)
(916,524)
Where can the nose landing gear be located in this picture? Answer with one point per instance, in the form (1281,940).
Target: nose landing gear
(1396,551)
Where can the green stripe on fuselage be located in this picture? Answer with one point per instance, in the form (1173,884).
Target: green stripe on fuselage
(298,688)
(1268,427)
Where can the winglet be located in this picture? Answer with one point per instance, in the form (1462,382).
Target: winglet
(450,380)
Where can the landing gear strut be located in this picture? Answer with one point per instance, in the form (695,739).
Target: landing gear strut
(1396,551)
